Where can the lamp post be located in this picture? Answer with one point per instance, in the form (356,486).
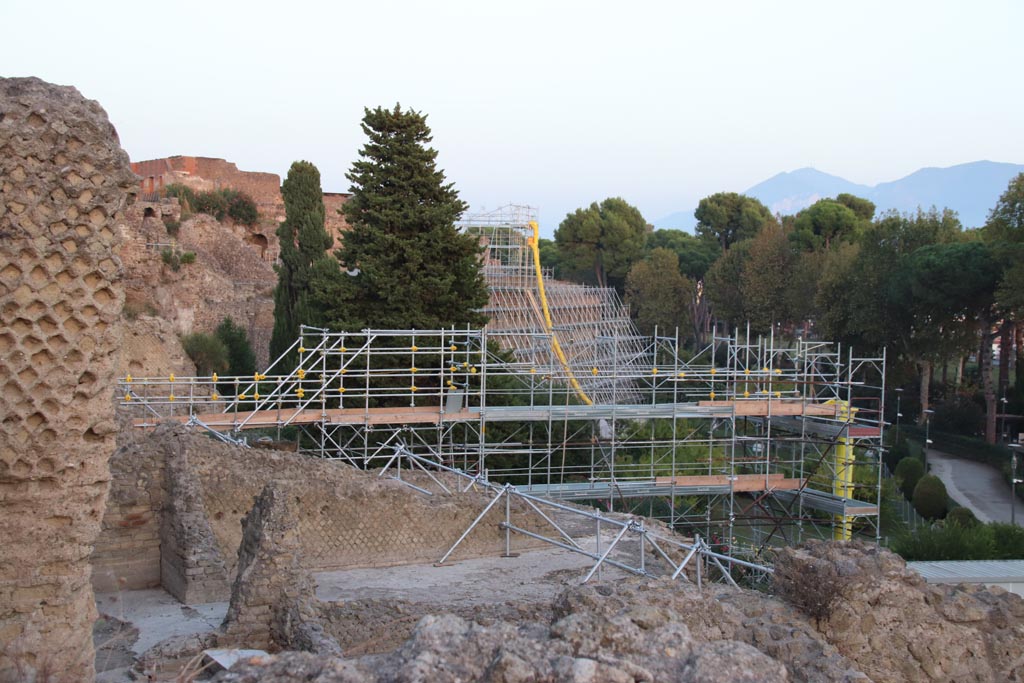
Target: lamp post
(1013,482)
(1002,420)
(927,434)
(899,414)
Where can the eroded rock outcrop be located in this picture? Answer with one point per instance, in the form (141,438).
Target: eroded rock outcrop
(64,186)
(883,616)
(880,622)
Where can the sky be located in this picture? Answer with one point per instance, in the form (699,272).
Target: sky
(551,104)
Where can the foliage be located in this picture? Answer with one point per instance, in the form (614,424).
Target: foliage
(959,414)
(862,208)
(408,266)
(657,293)
(930,498)
(1006,220)
(909,471)
(217,203)
(304,243)
(170,258)
(211,203)
(963,517)
(186,196)
(241,361)
(605,239)
(899,450)
(823,223)
(945,542)
(695,254)
(188,257)
(172,226)
(206,351)
(955,541)
(728,218)
(724,284)
(550,256)
(1008,540)
(766,280)
(241,207)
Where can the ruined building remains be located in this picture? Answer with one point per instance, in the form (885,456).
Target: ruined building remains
(64,187)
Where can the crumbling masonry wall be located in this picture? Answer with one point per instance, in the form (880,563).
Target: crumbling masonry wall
(64,185)
(343,517)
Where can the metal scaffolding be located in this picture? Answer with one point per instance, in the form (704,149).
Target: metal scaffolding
(750,442)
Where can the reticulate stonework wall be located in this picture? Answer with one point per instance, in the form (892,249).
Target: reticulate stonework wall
(64,186)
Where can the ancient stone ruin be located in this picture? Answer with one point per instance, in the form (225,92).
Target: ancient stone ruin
(64,187)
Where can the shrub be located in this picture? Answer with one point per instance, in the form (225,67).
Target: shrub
(909,471)
(172,226)
(811,587)
(213,203)
(241,359)
(930,498)
(206,351)
(1008,540)
(899,450)
(959,415)
(171,258)
(963,517)
(241,208)
(186,196)
(188,257)
(948,542)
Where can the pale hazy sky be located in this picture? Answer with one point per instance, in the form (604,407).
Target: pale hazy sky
(553,104)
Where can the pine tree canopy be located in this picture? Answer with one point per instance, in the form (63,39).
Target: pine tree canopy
(408,265)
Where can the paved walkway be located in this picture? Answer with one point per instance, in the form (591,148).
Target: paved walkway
(976,486)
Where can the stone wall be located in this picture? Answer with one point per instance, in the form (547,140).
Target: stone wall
(335,222)
(64,187)
(127,551)
(343,517)
(204,173)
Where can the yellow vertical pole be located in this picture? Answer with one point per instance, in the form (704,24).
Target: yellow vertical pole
(842,485)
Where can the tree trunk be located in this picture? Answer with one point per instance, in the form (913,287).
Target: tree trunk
(1019,360)
(961,361)
(700,314)
(989,388)
(925,368)
(1005,349)
(945,375)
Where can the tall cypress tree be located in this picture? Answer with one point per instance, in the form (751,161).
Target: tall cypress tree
(304,243)
(409,267)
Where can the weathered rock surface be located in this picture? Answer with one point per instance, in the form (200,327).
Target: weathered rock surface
(884,617)
(580,647)
(883,623)
(64,186)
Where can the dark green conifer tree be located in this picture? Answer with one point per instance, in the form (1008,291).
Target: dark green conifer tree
(304,243)
(241,359)
(407,264)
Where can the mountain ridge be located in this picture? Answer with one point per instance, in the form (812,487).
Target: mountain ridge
(971,189)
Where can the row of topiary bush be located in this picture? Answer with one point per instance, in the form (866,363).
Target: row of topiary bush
(234,204)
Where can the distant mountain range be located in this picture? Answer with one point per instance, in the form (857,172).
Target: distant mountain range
(969,189)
